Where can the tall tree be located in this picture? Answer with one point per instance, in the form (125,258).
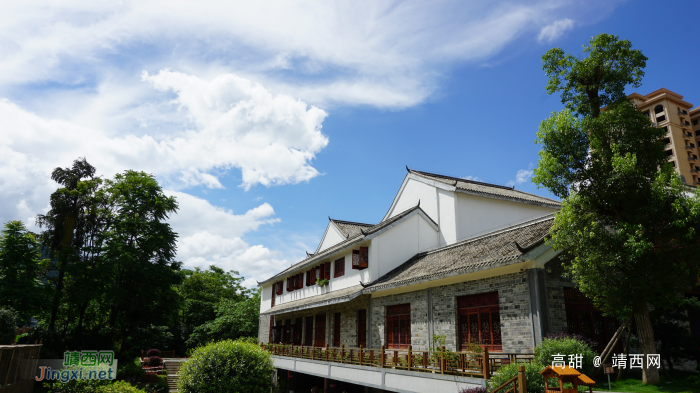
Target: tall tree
(628,224)
(68,203)
(19,271)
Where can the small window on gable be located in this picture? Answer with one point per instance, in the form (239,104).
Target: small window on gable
(360,258)
(339,267)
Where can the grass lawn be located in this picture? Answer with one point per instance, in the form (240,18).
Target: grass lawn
(632,382)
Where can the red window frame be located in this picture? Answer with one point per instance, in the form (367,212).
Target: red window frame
(327,270)
(398,326)
(320,330)
(479,321)
(274,289)
(360,258)
(339,268)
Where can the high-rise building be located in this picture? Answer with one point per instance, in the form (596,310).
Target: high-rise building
(667,109)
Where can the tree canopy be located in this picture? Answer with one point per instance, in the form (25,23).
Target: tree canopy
(628,225)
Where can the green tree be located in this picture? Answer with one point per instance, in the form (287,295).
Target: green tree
(201,292)
(8,325)
(20,266)
(628,224)
(235,319)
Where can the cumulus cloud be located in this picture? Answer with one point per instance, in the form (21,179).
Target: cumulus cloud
(231,123)
(555,30)
(211,235)
(523,175)
(474,178)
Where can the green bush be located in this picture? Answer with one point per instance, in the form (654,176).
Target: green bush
(76,386)
(8,325)
(227,366)
(565,346)
(130,372)
(249,340)
(119,387)
(533,378)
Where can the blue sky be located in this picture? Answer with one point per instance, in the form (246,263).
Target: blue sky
(265,118)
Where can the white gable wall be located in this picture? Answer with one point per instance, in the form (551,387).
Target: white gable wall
(477,215)
(402,242)
(412,192)
(332,237)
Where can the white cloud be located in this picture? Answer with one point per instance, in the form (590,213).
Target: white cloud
(382,53)
(231,122)
(523,176)
(474,178)
(555,30)
(211,235)
(510,183)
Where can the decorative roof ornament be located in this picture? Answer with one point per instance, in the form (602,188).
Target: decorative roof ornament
(409,171)
(522,250)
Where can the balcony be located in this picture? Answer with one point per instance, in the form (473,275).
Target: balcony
(385,367)
(687,135)
(694,171)
(690,147)
(682,113)
(692,159)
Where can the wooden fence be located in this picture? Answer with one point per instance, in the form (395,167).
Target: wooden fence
(471,364)
(18,365)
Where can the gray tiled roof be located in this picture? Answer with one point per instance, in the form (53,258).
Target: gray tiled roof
(489,190)
(484,252)
(339,296)
(350,229)
(312,259)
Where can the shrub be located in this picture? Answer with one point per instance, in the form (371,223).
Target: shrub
(153,352)
(8,325)
(226,366)
(533,378)
(476,389)
(155,361)
(130,372)
(75,386)
(561,335)
(119,387)
(565,346)
(249,340)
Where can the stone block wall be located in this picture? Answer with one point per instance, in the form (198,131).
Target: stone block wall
(420,337)
(555,293)
(264,329)
(348,320)
(514,307)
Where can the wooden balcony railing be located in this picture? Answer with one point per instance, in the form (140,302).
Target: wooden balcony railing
(472,364)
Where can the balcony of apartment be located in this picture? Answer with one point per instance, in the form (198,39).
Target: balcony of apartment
(685,125)
(682,113)
(395,369)
(690,147)
(692,158)
(687,135)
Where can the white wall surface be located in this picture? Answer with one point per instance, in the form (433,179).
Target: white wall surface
(447,222)
(332,237)
(409,196)
(477,215)
(397,245)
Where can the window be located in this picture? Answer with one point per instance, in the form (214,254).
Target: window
(339,267)
(320,333)
(321,271)
(479,321)
(398,326)
(695,122)
(360,258)
(274,290)
(658,109)
(280,287)
(673,164)
(667,140)
(362,328)
(661,118)
(336,329)
(327,271)
(669,152)
(646,113)
(697,133)
(309,331)
(313,274)
(583,318)
(272,337)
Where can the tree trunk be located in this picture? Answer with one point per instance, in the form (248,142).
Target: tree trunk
(646,342)
(64,246)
